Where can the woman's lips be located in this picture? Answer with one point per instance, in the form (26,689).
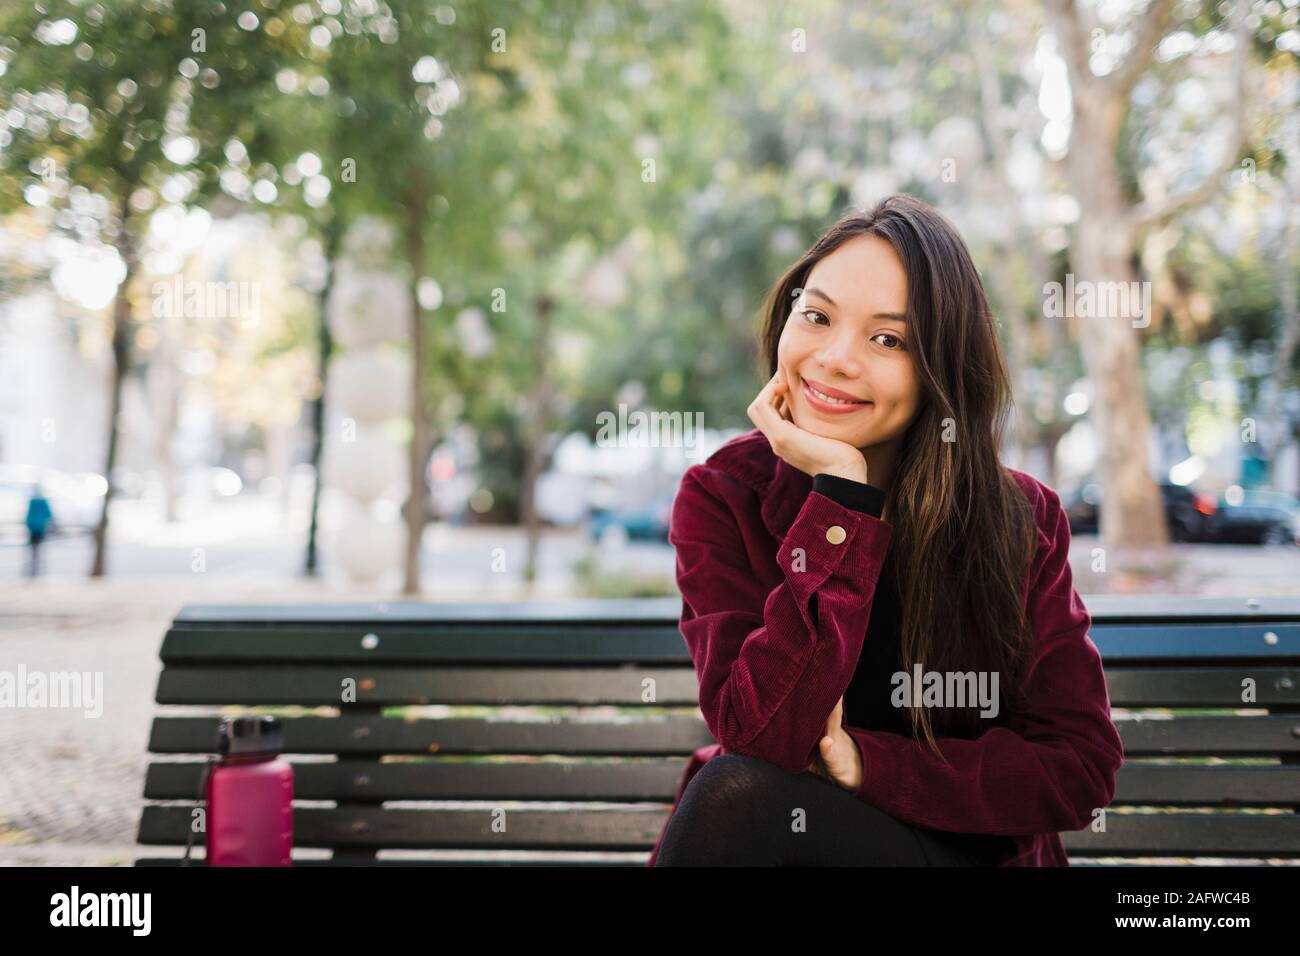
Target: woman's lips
(831,408)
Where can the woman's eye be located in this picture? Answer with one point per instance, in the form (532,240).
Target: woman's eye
(887,335)
(808,312)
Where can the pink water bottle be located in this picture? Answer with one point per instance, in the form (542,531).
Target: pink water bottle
(250,796)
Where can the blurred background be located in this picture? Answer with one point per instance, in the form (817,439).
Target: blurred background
(354,300)
(342,293)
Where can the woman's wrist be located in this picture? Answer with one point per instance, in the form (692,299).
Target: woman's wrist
(851,493)
(854,471)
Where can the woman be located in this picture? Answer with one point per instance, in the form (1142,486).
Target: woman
(860,557)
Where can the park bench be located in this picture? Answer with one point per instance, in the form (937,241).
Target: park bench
(563,740)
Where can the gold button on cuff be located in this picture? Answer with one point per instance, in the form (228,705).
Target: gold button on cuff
(835,534)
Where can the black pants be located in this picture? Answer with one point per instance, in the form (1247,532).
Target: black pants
(743,811)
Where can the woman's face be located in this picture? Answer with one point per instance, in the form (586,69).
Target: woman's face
(847,336)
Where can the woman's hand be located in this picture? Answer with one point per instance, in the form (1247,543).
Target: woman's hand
(811,454)
(839,759)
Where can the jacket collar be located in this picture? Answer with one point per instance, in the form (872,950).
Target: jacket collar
(782,488)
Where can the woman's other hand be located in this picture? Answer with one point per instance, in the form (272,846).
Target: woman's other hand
(839,759)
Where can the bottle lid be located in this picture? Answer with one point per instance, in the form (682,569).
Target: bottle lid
(250,735)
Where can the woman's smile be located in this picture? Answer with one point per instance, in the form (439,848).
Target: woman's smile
(823,402)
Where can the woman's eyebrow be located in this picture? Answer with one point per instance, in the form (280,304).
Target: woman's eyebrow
(892,316)
(818,292)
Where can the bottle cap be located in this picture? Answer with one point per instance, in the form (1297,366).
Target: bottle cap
(250,735)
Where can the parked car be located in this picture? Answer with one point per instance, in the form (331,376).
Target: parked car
(1187,511)
(648,522)
(1255,517)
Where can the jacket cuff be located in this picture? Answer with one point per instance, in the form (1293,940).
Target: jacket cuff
(830,539)
(852,494)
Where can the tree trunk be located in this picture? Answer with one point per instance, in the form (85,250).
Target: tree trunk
(419,447)
(165,381)
(1023,247)
(1132,513)
(331,235)
(537,434)
(1282,260)
(121,365)
(1101,252)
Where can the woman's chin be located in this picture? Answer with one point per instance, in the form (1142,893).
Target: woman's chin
(823,429)
(819,427)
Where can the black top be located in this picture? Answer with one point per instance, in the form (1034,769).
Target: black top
(866,702)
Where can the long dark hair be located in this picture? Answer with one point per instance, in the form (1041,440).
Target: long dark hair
(963,531)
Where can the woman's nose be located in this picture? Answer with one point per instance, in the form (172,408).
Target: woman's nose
(839,356)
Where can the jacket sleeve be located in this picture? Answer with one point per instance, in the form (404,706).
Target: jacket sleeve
(771,663)
(1049,768)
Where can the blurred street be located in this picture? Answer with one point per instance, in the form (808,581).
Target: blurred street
(249,539)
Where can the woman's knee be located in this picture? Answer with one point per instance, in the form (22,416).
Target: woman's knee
(725,813)
(738,779)
(732,790)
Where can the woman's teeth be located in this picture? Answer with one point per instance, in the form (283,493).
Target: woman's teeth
(834,401)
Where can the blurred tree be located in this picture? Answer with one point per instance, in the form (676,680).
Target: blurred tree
(573,139)
(97,101)
(1112,217)
(397,72)
(279,143)
(1281,244)
(1039,352)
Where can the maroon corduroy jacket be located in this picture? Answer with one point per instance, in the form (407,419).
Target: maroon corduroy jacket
(752,546)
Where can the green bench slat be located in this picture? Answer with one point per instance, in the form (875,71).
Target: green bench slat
(451,829)
(669,734)
(658,642)
(357,781)
(664,735)
(656,780)
(1190,834)
(541,859)
(311,685)
(451,643)
(386,685)
(1173,833)
(1259,736)
(1202,686)
(1207,785)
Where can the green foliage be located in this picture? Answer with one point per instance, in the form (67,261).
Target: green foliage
(521,147)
